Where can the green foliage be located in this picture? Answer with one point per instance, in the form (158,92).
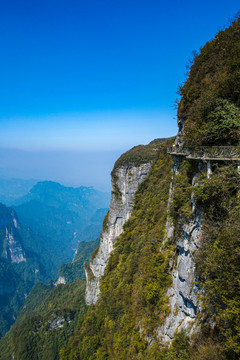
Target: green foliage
(223,124)
(36,334)
(219,257)
(138,155)
(16,278)
(105,222)
(115,188)
(181,207)
(88,271)
(132,302)
(74,271)
(181,344)
(211,93)
(59,218)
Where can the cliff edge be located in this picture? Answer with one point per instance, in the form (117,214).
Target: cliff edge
(128,173)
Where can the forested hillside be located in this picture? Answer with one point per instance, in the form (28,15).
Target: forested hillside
(210,97)
(12,189)
(171,286)
(74,270)
(50,312)
(61,216)
(126,321)
(42,233)
(20,268)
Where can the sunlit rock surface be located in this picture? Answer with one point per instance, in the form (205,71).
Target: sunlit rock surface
(124,185)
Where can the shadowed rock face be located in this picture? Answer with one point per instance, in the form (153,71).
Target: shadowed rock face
(10,240)
(126,181)
(183,295)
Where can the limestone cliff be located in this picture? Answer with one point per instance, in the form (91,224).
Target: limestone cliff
(12,248)
(184,293)
(125,181)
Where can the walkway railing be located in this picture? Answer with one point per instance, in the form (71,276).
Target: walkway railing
(224,153)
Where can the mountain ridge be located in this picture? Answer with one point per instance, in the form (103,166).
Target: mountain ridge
(171,283)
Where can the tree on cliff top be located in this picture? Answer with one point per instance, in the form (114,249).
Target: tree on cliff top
(211,93)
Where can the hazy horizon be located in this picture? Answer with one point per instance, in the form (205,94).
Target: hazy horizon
(69,168)
(84,81)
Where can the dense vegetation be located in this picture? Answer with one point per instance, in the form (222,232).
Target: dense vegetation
(136,156)
(59,218)
(218,257)
(53,219)
(45,323)
(139,154)
(124,322)
(75,271)
(123,303)
(210,97)
(17,276)
(50,314)
(133,301)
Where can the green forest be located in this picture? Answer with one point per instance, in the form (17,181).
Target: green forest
(55,322)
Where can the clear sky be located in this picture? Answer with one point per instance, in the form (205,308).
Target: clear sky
(90,79)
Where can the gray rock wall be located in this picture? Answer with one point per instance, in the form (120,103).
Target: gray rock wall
(183,295)
(124,185)
(12,249)
(184,292)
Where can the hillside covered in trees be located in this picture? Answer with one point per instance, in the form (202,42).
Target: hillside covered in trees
(174,200)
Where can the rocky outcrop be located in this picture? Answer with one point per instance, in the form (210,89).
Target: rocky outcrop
(60,280)
(58,322)
(125,181)
(179,138)
(13,250)
(184,293)
(10,240)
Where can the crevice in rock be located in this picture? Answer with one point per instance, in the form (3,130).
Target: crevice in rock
(182,251)
(188,303)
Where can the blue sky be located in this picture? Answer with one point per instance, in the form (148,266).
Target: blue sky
(95,76)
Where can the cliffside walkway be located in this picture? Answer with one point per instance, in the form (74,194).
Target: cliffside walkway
(208,153)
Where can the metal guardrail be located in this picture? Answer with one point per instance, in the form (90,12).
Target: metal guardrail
(206,152)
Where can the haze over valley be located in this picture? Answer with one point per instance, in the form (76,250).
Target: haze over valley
(119,180)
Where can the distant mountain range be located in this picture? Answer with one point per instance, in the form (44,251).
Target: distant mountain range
(12,189)
(62,216)
(41,232)
(20,268)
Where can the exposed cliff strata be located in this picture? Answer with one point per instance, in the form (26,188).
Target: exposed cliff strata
(60,280)
(14,251)
(184,292)
(183,295)
(10,241)
(125,182)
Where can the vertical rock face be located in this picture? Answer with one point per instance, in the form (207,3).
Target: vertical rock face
(10,240)
(13,251)
(125,182)
(179,137)
(183,295)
